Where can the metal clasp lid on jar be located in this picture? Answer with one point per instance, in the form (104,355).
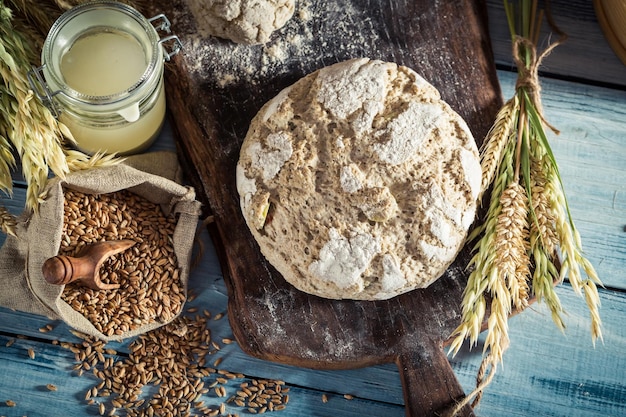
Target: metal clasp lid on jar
(101,75)
(165,26)
(45,93)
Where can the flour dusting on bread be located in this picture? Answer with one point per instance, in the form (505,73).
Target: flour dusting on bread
(358,181)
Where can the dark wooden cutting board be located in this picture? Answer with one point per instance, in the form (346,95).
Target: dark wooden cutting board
(215,88)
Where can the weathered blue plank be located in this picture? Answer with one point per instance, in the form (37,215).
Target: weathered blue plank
(544,373)
(547,373)
(24,382)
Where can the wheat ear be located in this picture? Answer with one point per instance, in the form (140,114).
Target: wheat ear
(543,216)
(497,138)
(77,161)
(7,161)
(484,275)
(573,259)
(511,243)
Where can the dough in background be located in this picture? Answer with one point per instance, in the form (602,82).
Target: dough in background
(242,21)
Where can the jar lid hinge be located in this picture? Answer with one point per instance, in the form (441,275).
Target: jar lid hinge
(41,89)
(162,23)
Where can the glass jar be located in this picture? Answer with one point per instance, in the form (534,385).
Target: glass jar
(102,75)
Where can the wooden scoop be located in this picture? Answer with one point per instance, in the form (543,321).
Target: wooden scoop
(61,269)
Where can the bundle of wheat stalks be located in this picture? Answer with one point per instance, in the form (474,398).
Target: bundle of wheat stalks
(28,130)
(528,241)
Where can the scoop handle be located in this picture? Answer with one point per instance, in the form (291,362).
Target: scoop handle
(61,269)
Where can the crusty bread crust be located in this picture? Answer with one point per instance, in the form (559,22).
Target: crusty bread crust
(358,181)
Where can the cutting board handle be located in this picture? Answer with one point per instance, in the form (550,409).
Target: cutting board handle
(430,386)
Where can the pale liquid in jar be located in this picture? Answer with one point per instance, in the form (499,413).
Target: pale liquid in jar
(102,64)
(128,138)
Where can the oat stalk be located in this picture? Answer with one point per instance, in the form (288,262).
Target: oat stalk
(8,222)
(39,16)
(27,128)
(527,241)
(78,161)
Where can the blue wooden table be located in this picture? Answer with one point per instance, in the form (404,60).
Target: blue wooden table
(545,372)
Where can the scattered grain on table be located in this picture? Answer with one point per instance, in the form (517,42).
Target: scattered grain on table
(46,328)
(165,374)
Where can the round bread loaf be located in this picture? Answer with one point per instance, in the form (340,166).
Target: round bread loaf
(358,181)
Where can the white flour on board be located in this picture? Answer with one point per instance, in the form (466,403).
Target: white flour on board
(226,63)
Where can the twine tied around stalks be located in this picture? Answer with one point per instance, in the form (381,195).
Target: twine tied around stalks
(528,66)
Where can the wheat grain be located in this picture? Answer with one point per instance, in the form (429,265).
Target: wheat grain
(143,294)
(173,366)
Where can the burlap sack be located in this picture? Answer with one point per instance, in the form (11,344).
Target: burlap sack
(154,176)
